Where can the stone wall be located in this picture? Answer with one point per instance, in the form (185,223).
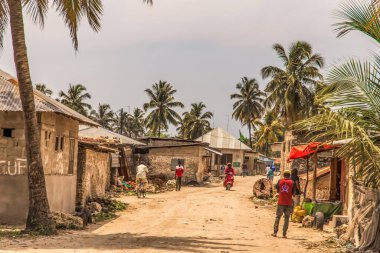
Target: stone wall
(93,174)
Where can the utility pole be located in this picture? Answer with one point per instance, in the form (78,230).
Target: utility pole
(213,119)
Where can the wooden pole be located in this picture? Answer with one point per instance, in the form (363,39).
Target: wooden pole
(315,177)
(307,177)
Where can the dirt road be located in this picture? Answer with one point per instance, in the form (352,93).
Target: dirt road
(197,219)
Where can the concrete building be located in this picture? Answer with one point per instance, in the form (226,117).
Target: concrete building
(233,150)
(59,147)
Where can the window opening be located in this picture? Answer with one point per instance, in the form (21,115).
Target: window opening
(8,132)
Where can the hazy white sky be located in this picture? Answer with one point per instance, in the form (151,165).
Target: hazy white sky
(202,47)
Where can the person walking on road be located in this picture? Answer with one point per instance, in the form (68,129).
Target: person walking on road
(285,188)
(178,176)
(244,168)
(141,170)
(270,174)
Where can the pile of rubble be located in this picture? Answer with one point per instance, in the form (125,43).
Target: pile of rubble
(67,221)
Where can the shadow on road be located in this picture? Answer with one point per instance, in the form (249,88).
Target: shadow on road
(139,241)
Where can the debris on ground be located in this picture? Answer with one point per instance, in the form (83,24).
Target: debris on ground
(264,202)
(341,230)
(109,208)
(263,189)
(170,184)
(308,221)
(95,207)
(325,246)
(67,221)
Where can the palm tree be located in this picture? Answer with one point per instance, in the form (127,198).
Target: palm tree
(75,98)
(248,106)
(291,88)
(352,100)
(44,89)
(137,119)
(120,121)
(162,104)
(11,11)
(196,122)
(104,115)
(182,128)
(269,130)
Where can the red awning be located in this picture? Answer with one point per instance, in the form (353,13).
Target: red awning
(304,151)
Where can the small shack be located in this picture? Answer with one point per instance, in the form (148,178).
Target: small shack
(59,148)
(102,156)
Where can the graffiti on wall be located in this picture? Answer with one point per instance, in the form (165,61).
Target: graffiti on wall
(17,167)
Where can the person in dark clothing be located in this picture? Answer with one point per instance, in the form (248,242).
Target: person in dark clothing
(178,176)
(244,168)
(297,186)
(285,188)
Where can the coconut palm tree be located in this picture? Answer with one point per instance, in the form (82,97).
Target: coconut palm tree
(248,106)
(291,89)
(196,122)
(352,100)
(162,104)
(120,121)
(104,116)
(269,129)
(43,89)
(75,98)
(137,125)
(11,11)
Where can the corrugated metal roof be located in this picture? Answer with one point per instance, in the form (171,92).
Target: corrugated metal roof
(220,139)
(10,101)
(99,132)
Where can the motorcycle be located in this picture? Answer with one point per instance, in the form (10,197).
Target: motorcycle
(228,181)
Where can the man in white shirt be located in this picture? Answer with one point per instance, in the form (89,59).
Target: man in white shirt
(141,172)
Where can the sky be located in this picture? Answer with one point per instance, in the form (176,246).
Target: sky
(202,47)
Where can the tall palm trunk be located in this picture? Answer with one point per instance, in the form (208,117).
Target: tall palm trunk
(39,217)
(250,135)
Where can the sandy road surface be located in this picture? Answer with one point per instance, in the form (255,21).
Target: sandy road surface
(197,219)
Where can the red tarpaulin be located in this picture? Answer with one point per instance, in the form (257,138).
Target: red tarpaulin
(304,151)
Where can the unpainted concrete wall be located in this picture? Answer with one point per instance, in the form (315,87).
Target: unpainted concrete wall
(12,149)
(14,198)
(61,187)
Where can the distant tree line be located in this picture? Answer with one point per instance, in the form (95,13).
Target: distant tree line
(158,113)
